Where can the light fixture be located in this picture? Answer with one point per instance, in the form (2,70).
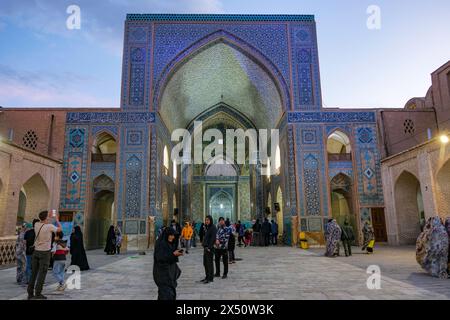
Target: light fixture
(221,206)
(444,139)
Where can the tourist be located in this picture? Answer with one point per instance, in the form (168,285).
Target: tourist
(110,247)
(256,235)
(248,237)
(77,250)
(41,255)
(223,236)
(21,257)
(332,237)
(274,233)
(347,238)
(265,231)
(194,235)
(59,258)
(447,228)
(165,269)
(432,248)
(177,228)
(29,239)
(201,232)
(369,237)
(209,241)
(118,233)
(240,229)
(186,235)
(231,243)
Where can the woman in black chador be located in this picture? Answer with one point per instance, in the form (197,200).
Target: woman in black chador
(110,247)
(165,268)
(77,250)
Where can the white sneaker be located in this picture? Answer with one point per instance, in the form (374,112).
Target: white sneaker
(61,287)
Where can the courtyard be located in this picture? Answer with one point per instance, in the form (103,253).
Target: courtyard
(263,274)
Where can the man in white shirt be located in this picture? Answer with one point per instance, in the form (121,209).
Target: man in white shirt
(42,253)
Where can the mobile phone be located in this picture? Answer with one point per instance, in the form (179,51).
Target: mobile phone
(181,250)
(54,212)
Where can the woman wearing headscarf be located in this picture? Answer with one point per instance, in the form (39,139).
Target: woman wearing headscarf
(118,239)
(332,236)
(369,235)
(77,250)
(21,257)
(432,248)
(447,228)
(110,247)
(165,268)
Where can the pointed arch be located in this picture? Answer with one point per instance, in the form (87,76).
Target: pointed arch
(35,198)
(104,147)
(222,36)
(408,206)
(338,142)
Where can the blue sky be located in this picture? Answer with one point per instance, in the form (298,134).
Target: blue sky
(42,63)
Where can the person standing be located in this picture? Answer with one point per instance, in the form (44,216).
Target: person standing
(21,258)
(77,249)
(110,247)
(29,237)
(201,232)
(240,231)
(59,260)
(41,255)
(231,245)
(332,236)
(165,269)
(223,236)
(186,235)
(118,233)
(274,233)
(265,230)
(347,237)
(369,237)
(256,236)
(432,248)
(177,228)
(194,235)
(209,241)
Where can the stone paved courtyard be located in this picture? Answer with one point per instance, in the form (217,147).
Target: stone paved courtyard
(264,273)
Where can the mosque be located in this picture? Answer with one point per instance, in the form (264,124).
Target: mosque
(113,166)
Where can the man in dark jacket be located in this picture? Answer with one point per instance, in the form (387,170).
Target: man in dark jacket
(347,237)
(209,241)
(265,230)
(274,233)
(165,268)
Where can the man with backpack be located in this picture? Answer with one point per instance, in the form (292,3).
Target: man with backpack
(42,253)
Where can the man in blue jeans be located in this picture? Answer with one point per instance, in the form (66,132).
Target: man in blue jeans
(29,239)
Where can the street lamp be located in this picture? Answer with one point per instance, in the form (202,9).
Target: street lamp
(444,139)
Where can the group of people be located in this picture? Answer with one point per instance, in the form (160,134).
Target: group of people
(41,246)
(336,234)
(218,242)
(265,234)
(113,240)
(432,247)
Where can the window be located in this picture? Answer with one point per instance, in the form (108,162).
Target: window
(30,140)
(408,126)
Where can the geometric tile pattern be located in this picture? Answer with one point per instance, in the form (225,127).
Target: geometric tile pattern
(73,182)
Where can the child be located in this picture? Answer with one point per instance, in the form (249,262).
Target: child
(59,257)
(247,238)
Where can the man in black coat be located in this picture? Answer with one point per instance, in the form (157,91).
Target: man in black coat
(209,241)
(265,230)
(165,268)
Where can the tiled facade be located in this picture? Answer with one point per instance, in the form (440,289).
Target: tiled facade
(284,48)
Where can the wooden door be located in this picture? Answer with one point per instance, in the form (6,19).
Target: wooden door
(379,224)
